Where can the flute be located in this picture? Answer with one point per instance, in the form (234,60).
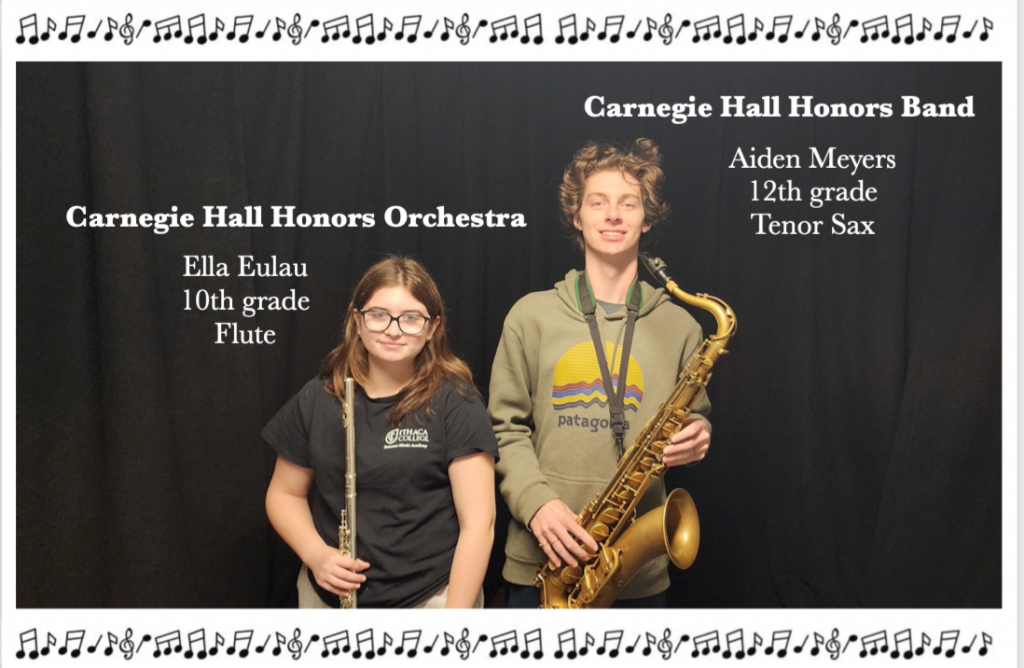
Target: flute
(347,528)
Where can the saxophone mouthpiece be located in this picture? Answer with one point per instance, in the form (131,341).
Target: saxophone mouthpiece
(657,267)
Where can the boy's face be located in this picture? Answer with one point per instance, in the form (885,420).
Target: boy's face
(611,217)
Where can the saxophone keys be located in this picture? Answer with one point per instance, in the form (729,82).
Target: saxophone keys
(609,561)
(599,532)
(671,427)
(571,575)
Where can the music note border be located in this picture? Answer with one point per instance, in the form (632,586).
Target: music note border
(364,642)
(573,28)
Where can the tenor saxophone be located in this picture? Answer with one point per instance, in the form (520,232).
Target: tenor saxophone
(347,528)
(625,543)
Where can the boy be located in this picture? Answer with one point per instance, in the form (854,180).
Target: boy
(564,407)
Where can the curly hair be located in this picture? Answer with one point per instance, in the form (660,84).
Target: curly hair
(640,162)
(434,364)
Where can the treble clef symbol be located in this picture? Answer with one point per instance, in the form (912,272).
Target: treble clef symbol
(295,645)
(127,30)
(295,30)
(832,646)
(665,645)
(462,646)
(665,31)
(127,646)
(833,30)
(462,31)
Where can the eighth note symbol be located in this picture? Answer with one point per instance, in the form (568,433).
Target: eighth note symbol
(534,22)
(566,638)
(531,638)
(26,23)
(567,24)
(73,22)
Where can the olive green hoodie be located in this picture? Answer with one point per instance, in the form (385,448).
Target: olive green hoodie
(550,412)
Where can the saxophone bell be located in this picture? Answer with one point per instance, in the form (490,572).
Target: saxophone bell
(672,528)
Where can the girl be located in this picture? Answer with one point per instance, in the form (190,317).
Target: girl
(424,457)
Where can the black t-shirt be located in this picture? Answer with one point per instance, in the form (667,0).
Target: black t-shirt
(407,525)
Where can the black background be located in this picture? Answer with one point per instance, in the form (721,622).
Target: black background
(856,452)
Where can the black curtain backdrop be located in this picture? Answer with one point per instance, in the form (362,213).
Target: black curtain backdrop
(855,460)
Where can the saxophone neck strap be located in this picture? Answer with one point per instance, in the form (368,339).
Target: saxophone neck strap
(616,393)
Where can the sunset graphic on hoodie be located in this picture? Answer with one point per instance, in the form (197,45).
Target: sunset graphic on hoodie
(578,384)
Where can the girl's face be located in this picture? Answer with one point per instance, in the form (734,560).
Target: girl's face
(385,323)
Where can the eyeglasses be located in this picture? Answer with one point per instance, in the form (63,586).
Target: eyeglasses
(409,323)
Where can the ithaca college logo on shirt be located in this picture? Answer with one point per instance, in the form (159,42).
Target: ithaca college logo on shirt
(406,438)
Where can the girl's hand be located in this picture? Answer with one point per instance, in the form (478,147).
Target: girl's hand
(337,574)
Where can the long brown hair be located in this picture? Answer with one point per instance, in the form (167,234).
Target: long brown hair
(434,364)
